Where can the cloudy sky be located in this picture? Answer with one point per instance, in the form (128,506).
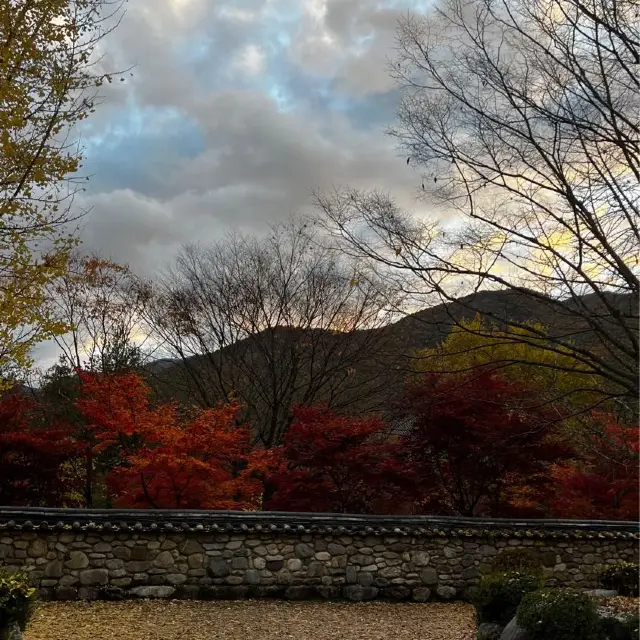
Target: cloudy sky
(235,110)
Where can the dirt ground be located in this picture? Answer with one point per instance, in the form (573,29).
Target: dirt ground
(251,620)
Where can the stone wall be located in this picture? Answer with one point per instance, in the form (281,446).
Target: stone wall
(210,555)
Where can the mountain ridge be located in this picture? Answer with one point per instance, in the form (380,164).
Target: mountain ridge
(387,371)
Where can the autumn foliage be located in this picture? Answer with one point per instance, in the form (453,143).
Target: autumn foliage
(477,447)
(470,445)
(337,464)
(167,459)
(48,78)
(603,482)
(35,462)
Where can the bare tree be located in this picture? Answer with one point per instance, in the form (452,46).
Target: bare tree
(524,118)
(278,321)
(102,303)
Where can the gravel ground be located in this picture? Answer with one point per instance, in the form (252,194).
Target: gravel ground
(251,620)
(620,604)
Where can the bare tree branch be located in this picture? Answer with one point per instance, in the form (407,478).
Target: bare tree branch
(524,116)
(277,321)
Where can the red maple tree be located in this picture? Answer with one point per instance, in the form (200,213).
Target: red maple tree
(475,448)
(602,483)
(336,463)
(167,458)
(35,462)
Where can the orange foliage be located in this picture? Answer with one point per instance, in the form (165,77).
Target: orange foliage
(168,459)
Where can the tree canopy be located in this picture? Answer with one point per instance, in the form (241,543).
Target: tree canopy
(48,83)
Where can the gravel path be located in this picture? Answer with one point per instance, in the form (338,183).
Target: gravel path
(251,620)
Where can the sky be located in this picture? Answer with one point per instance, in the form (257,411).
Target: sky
(235,110)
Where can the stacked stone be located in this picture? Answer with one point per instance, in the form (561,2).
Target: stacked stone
(69,565)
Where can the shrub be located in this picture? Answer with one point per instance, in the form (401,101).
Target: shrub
(624,626)
(559,614)
(499,595)
(522,560)
(623,577)
(17,600)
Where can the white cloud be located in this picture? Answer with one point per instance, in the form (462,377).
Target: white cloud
(250,60)
(239,15)
(349,41)
(265,141)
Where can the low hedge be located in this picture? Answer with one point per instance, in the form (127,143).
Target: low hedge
(500,593)
(624,626)
(559,614)
(17,600)
(623,577)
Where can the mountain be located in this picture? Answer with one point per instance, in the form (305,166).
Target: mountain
(160,365)
(363,371)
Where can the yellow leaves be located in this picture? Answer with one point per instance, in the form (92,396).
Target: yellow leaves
(45,50)
(517,354)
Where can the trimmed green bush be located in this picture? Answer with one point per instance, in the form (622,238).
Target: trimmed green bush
(499,595)
(623,577)
(624,626)
(523,560)
(559,614)
(17,600)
